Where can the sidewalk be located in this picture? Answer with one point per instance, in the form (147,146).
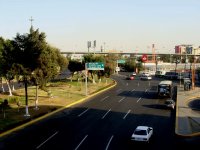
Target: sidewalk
(187,119)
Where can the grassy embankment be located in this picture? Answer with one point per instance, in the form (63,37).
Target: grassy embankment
(62,93)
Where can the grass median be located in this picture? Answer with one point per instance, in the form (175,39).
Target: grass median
(60,93)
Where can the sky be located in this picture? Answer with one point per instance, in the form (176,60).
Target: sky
(123,25)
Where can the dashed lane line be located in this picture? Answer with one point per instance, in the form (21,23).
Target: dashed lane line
(106,114)
(46,140)
(83,112)
(132,90)
(126,114)
(139,99)
(118,90)
(103,99)
(81,142)
(109,142)
(121,99)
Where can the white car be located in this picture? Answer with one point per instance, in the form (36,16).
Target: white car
(142,133)
(145,77)
(134,74)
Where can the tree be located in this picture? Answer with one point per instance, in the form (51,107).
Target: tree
(93,58)
(130,64)
(36,61)
(1,50)
(75,66)
(49,64)
(110,64)
(165,58)
(7,61)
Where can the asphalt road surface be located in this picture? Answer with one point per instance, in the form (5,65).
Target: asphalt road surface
(105,122)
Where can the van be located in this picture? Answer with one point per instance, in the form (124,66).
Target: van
(160,73)
(165,88)
(171,75)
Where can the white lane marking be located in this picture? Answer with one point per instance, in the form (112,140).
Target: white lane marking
(81,142)
(83,112)
(104,98)
(118,90)
(138,99)
(126,84)
(46,140)
(106,114)
(127,114)
(109,142)
(121,99)
(132,90)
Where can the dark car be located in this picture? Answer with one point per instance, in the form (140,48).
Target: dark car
(171,75)
(170,103)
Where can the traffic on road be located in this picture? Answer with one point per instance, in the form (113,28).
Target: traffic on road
(106,122)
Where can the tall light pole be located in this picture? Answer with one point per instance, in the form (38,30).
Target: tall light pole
(193,71)
(88,45)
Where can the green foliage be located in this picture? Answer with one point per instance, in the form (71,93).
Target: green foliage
(165,58)
(75,66)
(130,64)
(13,99)
(110,64)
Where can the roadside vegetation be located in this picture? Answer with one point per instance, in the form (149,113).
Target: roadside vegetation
(30,82)
(60,93)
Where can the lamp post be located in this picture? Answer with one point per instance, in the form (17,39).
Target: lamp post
(194,72)
(26,96)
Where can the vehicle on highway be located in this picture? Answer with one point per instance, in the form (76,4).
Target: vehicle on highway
(160,73)
(130,77)
(171,75)
(134,73)
(170,103)
(145,77)
(165,88)
(142,133)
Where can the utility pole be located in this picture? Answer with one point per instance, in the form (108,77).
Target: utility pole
(94,45)
(89,45)
(31,20)
(193,71)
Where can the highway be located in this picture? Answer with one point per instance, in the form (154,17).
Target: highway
(104,122)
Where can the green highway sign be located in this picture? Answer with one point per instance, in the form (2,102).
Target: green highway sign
(121,61)
(95,66)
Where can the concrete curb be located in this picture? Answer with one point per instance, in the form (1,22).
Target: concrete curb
(176,122)
(53,112)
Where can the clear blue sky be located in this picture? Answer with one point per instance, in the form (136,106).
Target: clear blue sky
(127,25)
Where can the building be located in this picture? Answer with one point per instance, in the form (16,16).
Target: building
(187,49)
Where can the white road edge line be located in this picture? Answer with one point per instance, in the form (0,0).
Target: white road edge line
(109,142)
(138,99)
(132,90)
(104,98)
(81,142)
(46,140)
(106,114)
(83,112)
(121,99)
(127,114)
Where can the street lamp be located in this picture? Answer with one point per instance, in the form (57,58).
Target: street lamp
(194,71)
(26,95)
